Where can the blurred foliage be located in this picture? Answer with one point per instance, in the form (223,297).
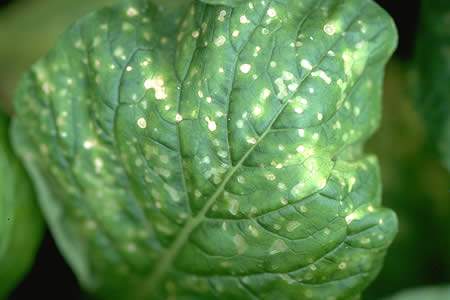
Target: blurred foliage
(423,293)
(28,28)
(431,75)
(21,222)
(416,184)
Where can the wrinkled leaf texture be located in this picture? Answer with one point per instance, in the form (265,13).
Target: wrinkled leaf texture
(213,152)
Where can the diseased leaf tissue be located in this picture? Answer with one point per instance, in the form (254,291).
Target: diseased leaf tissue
(213,151)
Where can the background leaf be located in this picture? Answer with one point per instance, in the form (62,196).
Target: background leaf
(432,74)
(415,186)
(429,293)
(21,225)
(28,29)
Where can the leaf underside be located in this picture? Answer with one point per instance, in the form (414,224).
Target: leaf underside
(213,152)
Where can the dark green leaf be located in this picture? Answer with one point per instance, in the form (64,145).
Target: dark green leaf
(432,73)
(213,153)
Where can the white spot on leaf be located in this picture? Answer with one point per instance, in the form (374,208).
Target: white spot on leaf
(306,64)
(257,111)
(301,132)
(132,12)
(349,218)
(211,124)
(172,192)
(222,15)
(220,41)
(234,207)
(142,123)
(329,29)
(240,243)
(243,19)
(291,226)
(271,13)
(277,247)
(245,68)
(266,93)
(158,85)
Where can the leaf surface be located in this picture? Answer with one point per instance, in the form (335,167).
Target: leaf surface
(213,152)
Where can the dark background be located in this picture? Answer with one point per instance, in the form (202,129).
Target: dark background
(416,185)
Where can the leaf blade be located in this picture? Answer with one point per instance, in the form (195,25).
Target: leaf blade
(220,120)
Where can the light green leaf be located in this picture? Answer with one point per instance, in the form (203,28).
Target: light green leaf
(213,153)
(21,224)
(422,293)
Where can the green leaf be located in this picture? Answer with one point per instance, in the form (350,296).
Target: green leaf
(21,225)
(428,293)
(213,152)
(432,74)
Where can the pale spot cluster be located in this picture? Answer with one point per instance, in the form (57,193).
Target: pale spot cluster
(158,85)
